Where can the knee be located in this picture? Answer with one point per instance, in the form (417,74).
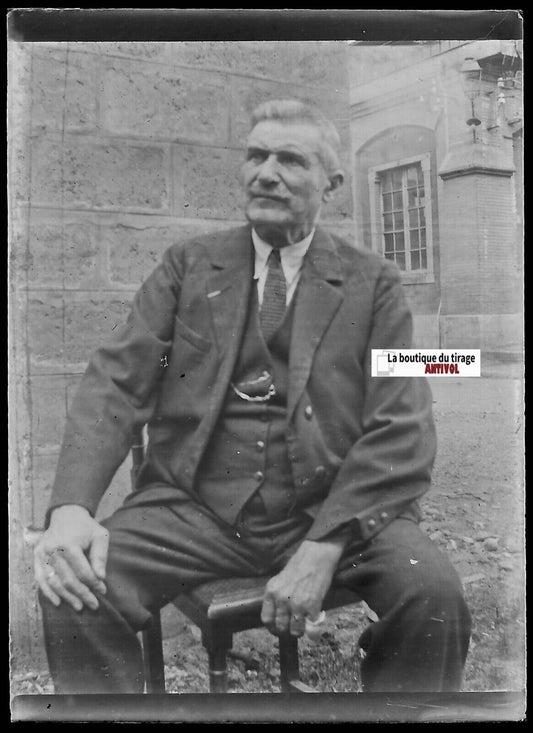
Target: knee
(439,596)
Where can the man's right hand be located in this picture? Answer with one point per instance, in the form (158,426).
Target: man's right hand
(70,558)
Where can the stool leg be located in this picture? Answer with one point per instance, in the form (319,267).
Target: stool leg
(288,661)
(154,666)
(217,641)
(218,670)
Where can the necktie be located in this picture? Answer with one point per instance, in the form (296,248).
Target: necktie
(274,296)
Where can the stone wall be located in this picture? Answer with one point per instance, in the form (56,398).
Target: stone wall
(116,151)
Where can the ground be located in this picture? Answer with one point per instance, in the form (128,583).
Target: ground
(474,512)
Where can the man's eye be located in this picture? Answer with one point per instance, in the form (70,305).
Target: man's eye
(256,156)
(290,160)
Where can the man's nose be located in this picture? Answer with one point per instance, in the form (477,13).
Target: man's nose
(268,171)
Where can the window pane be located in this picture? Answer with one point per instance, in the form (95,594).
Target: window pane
(404,234)
(399,243)
(412,175)
(386,182)
(412,197)
(397,178)
(398,221)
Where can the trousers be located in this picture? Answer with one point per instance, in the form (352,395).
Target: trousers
(156,551)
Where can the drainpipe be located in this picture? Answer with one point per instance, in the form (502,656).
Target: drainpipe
(438,323)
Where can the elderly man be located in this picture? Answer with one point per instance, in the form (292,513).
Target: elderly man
(272,450)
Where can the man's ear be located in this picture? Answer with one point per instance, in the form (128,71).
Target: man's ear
(335,181)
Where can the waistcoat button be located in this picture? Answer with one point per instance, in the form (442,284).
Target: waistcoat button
(308,412)
(383,516)
(258,476)
(320,472)
(260,446)
(371,523)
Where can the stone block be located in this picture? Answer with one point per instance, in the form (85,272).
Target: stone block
(18,245)
(461,332)
(89,322)
(48,412)
(324,63)
(135,245)
(100,174)
(210,182)
(425,332)
(164,103)
(19,86)
(47,88)
(43,472)
(65,88)
(72,385)
(247,94)
(269,59)
(62,250)
(45,329)
(19,157)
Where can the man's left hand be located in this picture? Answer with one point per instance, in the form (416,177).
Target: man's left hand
(299,590)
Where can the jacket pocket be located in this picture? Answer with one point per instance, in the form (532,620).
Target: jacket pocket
(183,331)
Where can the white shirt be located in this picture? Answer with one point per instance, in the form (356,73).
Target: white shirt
(291,263)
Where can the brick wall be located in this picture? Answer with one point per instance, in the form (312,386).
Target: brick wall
(483,294)
(116,151)
(478,223)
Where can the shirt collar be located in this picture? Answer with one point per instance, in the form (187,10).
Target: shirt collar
(291,255)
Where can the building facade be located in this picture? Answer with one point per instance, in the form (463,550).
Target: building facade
(436,132)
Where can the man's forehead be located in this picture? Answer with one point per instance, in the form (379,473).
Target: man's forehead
(275,134)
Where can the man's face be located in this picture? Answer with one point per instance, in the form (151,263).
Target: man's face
(284,180)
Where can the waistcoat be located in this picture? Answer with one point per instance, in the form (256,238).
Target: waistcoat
(247,454)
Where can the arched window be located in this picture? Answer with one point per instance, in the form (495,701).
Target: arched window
(400,214)
(396,200)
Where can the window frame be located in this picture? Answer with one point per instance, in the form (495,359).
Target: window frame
(376,214)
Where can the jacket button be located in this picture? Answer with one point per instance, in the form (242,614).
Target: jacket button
(383,516)
(308,412)
(371,523)
(258,476)
(260,446)
(320,472)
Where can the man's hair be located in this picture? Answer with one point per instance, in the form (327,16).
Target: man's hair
(293,110)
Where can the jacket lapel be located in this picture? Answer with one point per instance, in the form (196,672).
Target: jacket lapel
(228,288)
(227,291)
(318,299)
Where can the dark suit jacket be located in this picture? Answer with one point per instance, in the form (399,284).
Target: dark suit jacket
(361,448)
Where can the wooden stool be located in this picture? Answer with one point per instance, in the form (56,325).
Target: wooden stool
(220,609)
